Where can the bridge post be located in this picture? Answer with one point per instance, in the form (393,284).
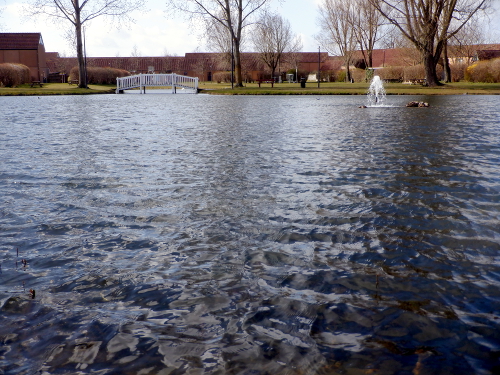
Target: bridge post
(173,83)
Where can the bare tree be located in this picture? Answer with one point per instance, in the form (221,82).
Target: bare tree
(463,45)
(338,36)
(368,24)
(233,15)
(429,24)
(135,60)
(272,37)
(391,39)
(80,12)
(405,51)
(293,60)
(218,39)
(465,41)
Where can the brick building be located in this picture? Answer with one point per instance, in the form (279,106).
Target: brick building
(203,65)
(27,49)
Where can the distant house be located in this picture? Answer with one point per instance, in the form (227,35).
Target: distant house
(27,49)
(487,54)
(468,54)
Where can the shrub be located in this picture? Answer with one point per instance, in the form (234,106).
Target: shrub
(358,75)
(484,71)
(468,73)
(458,72)
(102,76)
(247,78)
(222,77)
(329,75)
(495,68)
(12,75)
(393,73)
(418,72)
(302,73)
(413,72)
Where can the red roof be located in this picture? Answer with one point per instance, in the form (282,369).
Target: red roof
(26,41)
(51,55)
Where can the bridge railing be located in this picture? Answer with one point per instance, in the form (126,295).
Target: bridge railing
(142,81)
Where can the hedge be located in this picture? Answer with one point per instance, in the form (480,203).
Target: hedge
(99,76)
(393,73)
(406,73)
(222,77)
(484,71)
(12,75)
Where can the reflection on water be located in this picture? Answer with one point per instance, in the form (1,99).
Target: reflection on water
(170,234)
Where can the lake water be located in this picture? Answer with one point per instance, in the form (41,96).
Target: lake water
(196,234)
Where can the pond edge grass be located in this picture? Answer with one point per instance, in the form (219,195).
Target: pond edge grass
(334,88)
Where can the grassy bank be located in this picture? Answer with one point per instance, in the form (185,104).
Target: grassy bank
(326,88)
(340,88)
(55,89)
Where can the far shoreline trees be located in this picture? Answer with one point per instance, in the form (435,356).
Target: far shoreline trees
(429,25)
(273,38)
(80,12)
(336,20)
(233,15)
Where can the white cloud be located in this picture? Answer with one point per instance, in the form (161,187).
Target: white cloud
(152,33)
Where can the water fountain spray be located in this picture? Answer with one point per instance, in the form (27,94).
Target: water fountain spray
(376,93)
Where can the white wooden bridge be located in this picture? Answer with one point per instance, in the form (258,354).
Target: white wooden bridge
(141,81)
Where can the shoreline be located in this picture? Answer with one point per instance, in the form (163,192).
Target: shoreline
(326,88)
(361,88)
(208,92)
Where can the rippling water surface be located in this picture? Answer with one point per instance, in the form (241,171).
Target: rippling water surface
(192,234)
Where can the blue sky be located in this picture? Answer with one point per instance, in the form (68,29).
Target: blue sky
(154,33)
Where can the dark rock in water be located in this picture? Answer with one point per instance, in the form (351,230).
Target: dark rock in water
(417,104)
(17,305)
(362,106)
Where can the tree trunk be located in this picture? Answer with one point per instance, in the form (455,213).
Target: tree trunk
(82,76)
(237,64)
(446,64)
(274,66)
(430,69)
(347,71)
